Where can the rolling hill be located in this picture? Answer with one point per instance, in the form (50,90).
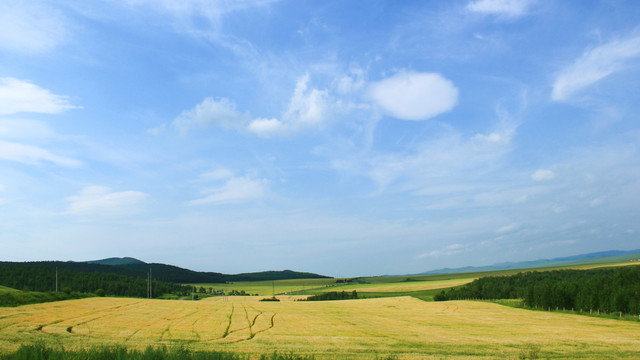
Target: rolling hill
(590,258)
(162,272)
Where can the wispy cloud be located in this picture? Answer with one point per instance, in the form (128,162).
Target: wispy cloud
(30,28)
(504,8)
(25,129)
(22,96)
(221,112)
(415,96)
(543,175)
(594,65)
(28,154)
(448,250)
(508,228)
(234,190)
(202,19)
(445,161)
(191,10)
(216,174)
(307,109)
(100,200)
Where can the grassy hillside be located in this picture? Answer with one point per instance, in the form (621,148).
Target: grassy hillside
(11,297)
(424,287)
(613,256)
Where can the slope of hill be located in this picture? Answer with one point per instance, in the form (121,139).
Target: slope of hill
(590,258)
(117,261)
(163,272)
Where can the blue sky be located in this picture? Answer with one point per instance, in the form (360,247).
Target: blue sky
(339,137)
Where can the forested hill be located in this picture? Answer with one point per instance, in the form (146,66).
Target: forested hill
(34,277)
(161,272)
(615,289)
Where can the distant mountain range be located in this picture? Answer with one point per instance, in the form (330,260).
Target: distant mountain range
(162,272)
(590,258)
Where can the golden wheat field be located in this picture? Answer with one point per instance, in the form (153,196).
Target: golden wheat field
(406,327)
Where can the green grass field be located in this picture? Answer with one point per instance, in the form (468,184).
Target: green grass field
(421,286)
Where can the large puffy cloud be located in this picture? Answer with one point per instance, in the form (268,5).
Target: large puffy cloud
(594,65)
(415,96)
(22,96)
(100,200)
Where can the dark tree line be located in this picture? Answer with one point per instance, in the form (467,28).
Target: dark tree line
(607,289)
(39,278)
(334,295)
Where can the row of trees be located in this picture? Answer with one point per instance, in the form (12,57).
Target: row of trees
(38,278)
(334,295)
(607,289)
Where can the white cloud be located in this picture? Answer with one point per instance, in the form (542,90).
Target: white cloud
(507,8)
(508,228)
(266,127)
(236,189)
(543,175)
(25,128)
(352,82)
(594,65)
(209,112)
(307,108)
(23,96)
(198,18)
(157,130)
(217,174)
(99,199)
(28,154)
(449,160)
(597,202)
(415,96)
(28,28)
(448,250)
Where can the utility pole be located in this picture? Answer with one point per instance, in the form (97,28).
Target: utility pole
(150,284)
(56,279)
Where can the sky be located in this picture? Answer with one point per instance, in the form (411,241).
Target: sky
(346,138)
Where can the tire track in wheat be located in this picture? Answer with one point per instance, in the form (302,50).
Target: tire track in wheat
(110,313)
(226,331)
